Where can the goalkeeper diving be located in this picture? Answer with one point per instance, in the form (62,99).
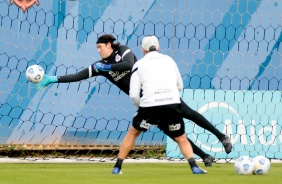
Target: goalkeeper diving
(116,63)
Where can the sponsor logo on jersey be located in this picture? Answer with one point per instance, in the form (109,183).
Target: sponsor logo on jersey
(163,99)
(161,91)
(24,4)
(174,127)
(116,75)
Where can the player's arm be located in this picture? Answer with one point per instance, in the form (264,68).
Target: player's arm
(126,62)
(81,75)
(179,78)
(135,87)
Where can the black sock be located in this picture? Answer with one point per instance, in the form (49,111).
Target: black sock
(192,162)
(118,163)
(197,150)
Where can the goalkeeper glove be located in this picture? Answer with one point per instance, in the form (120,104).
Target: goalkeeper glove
(103,67)
(46,81)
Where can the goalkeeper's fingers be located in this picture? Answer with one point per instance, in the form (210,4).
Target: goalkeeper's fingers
(40,87)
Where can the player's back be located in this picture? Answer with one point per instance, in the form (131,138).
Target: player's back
(159,80)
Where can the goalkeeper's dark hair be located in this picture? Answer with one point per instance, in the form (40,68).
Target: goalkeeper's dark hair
(106,38)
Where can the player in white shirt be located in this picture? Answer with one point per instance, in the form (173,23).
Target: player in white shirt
(154,89)
(158,88)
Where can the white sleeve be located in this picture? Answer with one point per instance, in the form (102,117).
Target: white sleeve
(179,79)
(135,87)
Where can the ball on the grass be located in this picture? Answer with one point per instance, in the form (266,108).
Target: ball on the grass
(244,165)
(34,73)
(261,165)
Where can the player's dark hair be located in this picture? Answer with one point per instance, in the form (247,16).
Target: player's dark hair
(152,48)
(108,38)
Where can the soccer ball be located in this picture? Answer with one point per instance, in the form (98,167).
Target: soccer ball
(244,165)
(34,73)
(261,165)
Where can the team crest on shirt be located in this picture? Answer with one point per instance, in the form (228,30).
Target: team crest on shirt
(118,58)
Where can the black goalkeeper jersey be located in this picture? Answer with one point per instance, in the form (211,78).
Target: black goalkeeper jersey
(122,60)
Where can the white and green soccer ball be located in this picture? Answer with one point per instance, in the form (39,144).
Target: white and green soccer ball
(261,165)
(244,165)
(34,73)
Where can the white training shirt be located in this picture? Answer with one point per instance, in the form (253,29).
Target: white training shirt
(157,78)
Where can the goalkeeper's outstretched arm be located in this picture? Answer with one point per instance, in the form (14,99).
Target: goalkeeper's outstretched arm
(83,74)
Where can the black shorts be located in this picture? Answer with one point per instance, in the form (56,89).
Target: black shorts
(167,117)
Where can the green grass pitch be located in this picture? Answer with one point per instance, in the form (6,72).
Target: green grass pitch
(145,173)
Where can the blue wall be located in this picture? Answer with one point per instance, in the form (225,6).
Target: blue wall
(231,45)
